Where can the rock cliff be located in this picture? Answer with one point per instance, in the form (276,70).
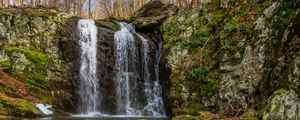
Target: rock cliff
(230,60)
(222,59)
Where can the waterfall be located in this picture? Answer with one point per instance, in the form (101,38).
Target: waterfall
(137,88)
(155,106)
(126,51)
(88,83)
(131,99)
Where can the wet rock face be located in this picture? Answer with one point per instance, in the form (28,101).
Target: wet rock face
(68,99)
(105,68)
(106,64)
(282,105)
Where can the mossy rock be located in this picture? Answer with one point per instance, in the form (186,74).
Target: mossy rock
(282,104)
(19,107)
(37,74)
(40,59)
(6,65)
(7,90)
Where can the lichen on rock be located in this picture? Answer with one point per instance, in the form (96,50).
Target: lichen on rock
(284,104)
(29,42)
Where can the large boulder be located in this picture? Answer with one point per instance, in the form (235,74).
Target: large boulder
(282,105)
(152,14)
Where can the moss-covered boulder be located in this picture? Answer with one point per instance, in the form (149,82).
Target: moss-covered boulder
(284,104)
(18,107)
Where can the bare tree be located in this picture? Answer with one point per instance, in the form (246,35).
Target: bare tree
(101,8)
(90,12)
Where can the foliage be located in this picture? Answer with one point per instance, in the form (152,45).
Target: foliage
(285,15)
(196,72)
(6,65)
(37,79)
(211,82)
(279,91)
(224,30)
(230,27)
(6,89)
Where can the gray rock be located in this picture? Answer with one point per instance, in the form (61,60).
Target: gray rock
(283,105)
(152,14)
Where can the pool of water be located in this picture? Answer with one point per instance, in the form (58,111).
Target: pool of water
(105,118)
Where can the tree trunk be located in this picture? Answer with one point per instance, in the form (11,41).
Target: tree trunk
(2,4)
(90,12)
(21,3)
(31,2)
(37,2)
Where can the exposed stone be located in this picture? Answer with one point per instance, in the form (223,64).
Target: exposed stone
(30,42)
(224,3)
(282,105)
(176,56)
(152,14)
(241,81)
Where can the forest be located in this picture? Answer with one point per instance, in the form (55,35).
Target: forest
(150,59)
(95,8)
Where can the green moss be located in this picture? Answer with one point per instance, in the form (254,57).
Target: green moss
(5,102)
(37,79)
(40,94)
(18,107)
(6,65)
(61,63)
(226,31)
(283,17)
(40,59)
(279,91)
(196,72)
(195,106)
(230,27)
(35,76)
(7,90)
(23,104)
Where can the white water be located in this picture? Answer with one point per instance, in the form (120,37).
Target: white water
(137,84)
(88,88)
(127,90)
(155,106)
(125,51)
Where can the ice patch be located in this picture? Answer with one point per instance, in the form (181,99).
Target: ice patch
(44,108)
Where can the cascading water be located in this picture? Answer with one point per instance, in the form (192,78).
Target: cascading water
(126,51)
(128,90)
(137,89)
(88,89)
(155,106)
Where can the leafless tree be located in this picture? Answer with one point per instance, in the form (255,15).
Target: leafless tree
(96,8)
